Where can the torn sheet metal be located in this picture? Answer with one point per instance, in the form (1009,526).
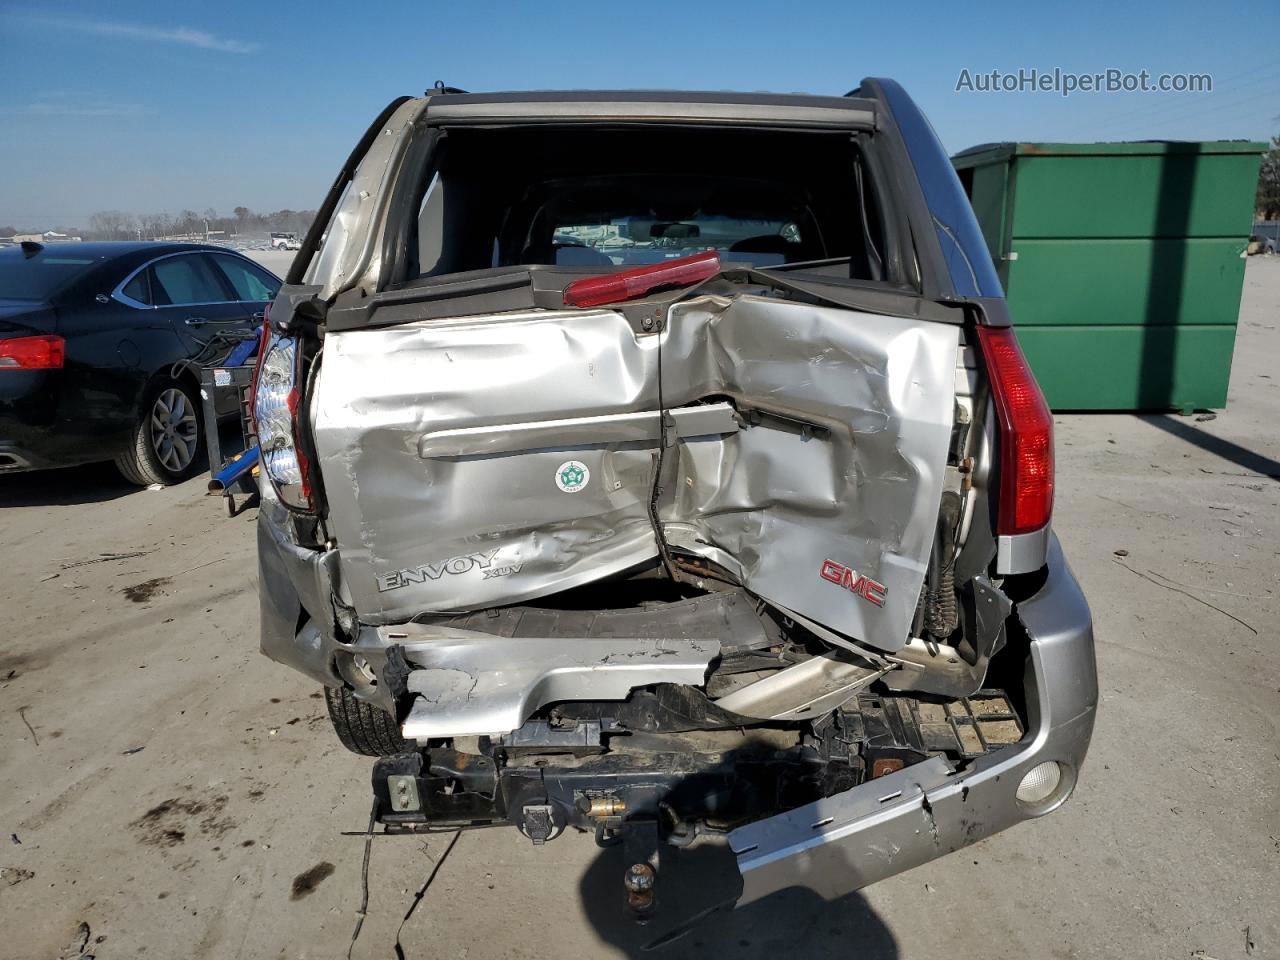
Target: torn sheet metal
(827,505)
(491,460)
(803,691)
(474,684)
(454,530)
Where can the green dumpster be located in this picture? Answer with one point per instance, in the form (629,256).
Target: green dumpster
(1122,263)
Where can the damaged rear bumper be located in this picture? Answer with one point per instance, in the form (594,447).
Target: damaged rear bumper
(899,821)
(832,846)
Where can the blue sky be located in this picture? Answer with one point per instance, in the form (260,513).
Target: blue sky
(153,106)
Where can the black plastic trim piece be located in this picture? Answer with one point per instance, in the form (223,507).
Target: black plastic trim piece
(930,268)
(501,289)
(954,227)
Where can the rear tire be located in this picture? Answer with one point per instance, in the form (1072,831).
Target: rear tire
(362,727)
(168,436)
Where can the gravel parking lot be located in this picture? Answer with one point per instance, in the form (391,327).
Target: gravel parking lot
(180,795)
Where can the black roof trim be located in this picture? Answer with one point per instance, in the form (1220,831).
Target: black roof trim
(104,249)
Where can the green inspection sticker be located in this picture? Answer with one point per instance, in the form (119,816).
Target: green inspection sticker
(572,476)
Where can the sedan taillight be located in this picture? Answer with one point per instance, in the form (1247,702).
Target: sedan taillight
(1024,433)
(276,413)
(45,352)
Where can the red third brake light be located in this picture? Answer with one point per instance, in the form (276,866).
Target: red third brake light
(629,284)
(45,352)
(1025,499)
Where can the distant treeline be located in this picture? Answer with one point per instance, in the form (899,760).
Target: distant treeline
(121,225)
(1268,199)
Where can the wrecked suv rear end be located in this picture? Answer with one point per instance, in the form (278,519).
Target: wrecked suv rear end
(665,466)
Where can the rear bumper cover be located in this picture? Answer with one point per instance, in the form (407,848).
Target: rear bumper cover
(899,821)
(295,587)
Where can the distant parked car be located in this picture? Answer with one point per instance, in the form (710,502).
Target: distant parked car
(285,241)
(1265,237)
(96,348)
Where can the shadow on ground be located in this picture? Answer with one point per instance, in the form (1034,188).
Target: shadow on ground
(794,924)
(91,482)
(1231,452)
(88,483)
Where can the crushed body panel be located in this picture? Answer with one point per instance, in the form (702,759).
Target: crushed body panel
(892,823)
(387,396)
(491,460)
(843,464)
(475,684)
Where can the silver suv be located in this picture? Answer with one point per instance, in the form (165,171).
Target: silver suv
(664,465)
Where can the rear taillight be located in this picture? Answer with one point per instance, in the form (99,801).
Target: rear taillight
(1025,435)
(629,284)
(277,409)
(45,352)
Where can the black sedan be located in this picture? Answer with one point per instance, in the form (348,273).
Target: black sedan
(99,346)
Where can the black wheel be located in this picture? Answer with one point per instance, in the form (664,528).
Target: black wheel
(167,438)
(362,727)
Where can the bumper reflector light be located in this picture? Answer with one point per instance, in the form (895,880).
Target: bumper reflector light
(1040,782)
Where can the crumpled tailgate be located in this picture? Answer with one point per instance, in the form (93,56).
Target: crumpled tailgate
(489,460)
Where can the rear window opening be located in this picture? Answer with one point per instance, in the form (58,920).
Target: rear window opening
(592,196)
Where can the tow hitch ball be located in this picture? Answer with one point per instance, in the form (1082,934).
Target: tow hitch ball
(640,882)
(640,879)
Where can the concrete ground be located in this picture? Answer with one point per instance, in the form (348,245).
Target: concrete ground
(183,797)
(277,261)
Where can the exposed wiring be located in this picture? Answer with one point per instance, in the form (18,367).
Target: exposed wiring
(422,892)
(213,350)
(364,879)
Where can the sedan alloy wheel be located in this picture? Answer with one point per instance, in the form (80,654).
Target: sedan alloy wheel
(174,432)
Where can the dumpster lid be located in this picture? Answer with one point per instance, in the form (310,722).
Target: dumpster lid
(998,152)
